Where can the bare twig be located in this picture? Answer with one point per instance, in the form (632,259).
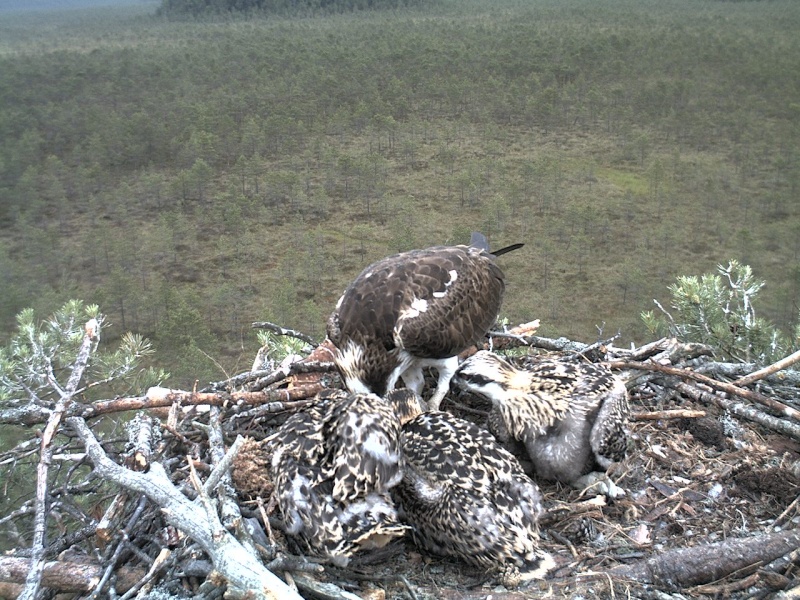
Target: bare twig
(162,397)
(741,410)
(277,329)
(769,370)
(561,344)
(729,388)
(668,414)
(230,558)
(268,377)
(318,589)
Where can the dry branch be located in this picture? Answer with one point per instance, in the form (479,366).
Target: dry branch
(66,576)
(230,558)
(741,410)
(769,370)
(741,370)
(277,329)
(266,377)
(507,340)
(162,397)
(34,577)
(729,388)
(668,414)
(684,567)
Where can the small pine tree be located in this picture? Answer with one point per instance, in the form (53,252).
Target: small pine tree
(718,309)
(37,361)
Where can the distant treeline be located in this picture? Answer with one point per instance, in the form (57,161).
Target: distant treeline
(217,7)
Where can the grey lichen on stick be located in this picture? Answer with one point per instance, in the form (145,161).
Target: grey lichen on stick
(241,569)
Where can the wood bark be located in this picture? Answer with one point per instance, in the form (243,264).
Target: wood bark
(66,576)
(683,567)
(230,558)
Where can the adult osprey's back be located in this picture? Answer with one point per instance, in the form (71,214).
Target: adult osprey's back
(416,309)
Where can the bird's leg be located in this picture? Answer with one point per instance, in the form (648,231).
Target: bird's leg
(414,379)
(446,369)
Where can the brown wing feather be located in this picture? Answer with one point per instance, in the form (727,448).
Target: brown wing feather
(460,310)
(332,465)
(383,294)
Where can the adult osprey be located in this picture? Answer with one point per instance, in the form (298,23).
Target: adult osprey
(413,310)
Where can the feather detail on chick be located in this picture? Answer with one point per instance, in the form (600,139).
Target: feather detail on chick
(465,496)
(333,465)
(571,417)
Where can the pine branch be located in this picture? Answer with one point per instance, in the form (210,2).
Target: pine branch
(34,579)
(277,329)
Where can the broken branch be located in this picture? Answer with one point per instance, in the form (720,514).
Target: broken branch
(769,370)
(729,388)
(684,567)
(230,558)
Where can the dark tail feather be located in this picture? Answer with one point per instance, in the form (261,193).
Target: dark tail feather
(479,240)
(508,249)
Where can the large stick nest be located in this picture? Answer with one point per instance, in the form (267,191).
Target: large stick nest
(710,510)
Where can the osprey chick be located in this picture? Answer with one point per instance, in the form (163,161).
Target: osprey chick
(333,465)
(570,416)
(416,309)
(466,496)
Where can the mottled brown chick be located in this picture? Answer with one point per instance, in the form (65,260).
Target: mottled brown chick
(571,417)
(465,496)
(333,465)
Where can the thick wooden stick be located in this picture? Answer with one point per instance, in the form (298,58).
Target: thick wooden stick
(66,576)
(683,567)
(729,388)
(769,370)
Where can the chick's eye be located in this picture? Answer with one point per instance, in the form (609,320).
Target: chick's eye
(476,378)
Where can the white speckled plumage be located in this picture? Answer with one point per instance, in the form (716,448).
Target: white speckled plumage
(571,416)
(333,465)
(464,495)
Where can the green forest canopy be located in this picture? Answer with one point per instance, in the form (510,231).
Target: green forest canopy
(196,8)
(192,177)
